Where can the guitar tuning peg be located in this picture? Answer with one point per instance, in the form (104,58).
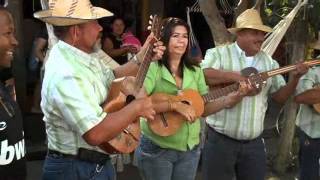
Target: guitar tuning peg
(149,27)
(151,17)
(150,22)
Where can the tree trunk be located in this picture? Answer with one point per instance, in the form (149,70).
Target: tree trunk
(298,39)
(18,66)
(242,6)
(257,5)
(218,29)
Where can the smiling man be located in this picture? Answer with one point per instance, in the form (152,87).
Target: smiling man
(12,149)
(234,147)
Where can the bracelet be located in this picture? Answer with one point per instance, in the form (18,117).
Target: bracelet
(135,60)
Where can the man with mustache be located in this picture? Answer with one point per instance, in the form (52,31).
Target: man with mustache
(234,147)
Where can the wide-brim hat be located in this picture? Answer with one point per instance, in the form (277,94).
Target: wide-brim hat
(249,19)
(71,12)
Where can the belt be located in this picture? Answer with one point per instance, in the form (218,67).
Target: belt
(54,153)
(214,132)
(83,155)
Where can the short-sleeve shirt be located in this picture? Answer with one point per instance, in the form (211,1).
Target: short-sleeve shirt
(74,87)
(159,79)
(12,144)
(308,119)
(245,120)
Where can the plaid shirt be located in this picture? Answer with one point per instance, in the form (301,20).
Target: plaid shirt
(245,120)
(308,119)
(74,86)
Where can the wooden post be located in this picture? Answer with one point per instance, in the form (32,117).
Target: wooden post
(297,37)
(18,66)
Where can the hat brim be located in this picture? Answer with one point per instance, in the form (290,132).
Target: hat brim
(256,27)
(46,16)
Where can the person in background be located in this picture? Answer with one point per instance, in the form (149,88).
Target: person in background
(75,86)
(234,146)
(12,144)
(308,121)
(112,42)
(36,60)
(175,157)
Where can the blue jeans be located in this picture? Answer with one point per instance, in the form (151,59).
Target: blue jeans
(309,157)
(225,158)
(56,167)
(156,163)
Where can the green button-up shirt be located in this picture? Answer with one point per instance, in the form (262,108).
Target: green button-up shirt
(245,120)
(308,119)
(159,79)
(75,84)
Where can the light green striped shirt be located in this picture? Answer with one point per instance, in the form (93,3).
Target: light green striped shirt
(245,120)
(308,119)
(75,85)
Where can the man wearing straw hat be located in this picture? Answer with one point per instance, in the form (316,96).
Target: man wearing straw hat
(75,85)
(308,121)
(234,147)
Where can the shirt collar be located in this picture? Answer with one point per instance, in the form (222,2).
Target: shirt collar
(84,58)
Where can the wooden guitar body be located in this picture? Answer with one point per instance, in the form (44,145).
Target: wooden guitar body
(119,96)
(168,123)
(122,92)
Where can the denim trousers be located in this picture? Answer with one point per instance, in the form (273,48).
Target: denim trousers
(224,158)
(56,167)
(157,163)
(309,157)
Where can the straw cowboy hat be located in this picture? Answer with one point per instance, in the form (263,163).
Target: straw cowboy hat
(316,44)
(71,12)
(249,19)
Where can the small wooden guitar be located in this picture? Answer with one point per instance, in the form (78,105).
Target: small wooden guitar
(316,107)
(122,92)
(168,123)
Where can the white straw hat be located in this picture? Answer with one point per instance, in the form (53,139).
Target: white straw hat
(250,19)
(71,12)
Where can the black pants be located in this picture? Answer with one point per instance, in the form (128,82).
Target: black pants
(309,157)
(225,158)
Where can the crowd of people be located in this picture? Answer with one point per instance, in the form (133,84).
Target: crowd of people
(77,84)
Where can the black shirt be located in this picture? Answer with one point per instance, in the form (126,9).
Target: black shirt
(122,59)
(12,145)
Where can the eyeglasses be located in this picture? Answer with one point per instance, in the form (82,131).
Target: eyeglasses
(8,107)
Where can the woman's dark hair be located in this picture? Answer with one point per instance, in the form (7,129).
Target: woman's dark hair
(168,27)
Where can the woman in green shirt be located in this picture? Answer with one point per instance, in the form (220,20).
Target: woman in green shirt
(175,157)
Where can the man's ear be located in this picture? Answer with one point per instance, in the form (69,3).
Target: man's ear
(74,31)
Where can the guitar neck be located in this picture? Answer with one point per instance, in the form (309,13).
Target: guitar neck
(143,69)
(288,68)
(217,93)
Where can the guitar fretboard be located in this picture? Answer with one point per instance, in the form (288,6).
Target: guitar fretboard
(215,94)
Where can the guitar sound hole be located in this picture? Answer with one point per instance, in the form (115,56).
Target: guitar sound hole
(185,102)
(129,99)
